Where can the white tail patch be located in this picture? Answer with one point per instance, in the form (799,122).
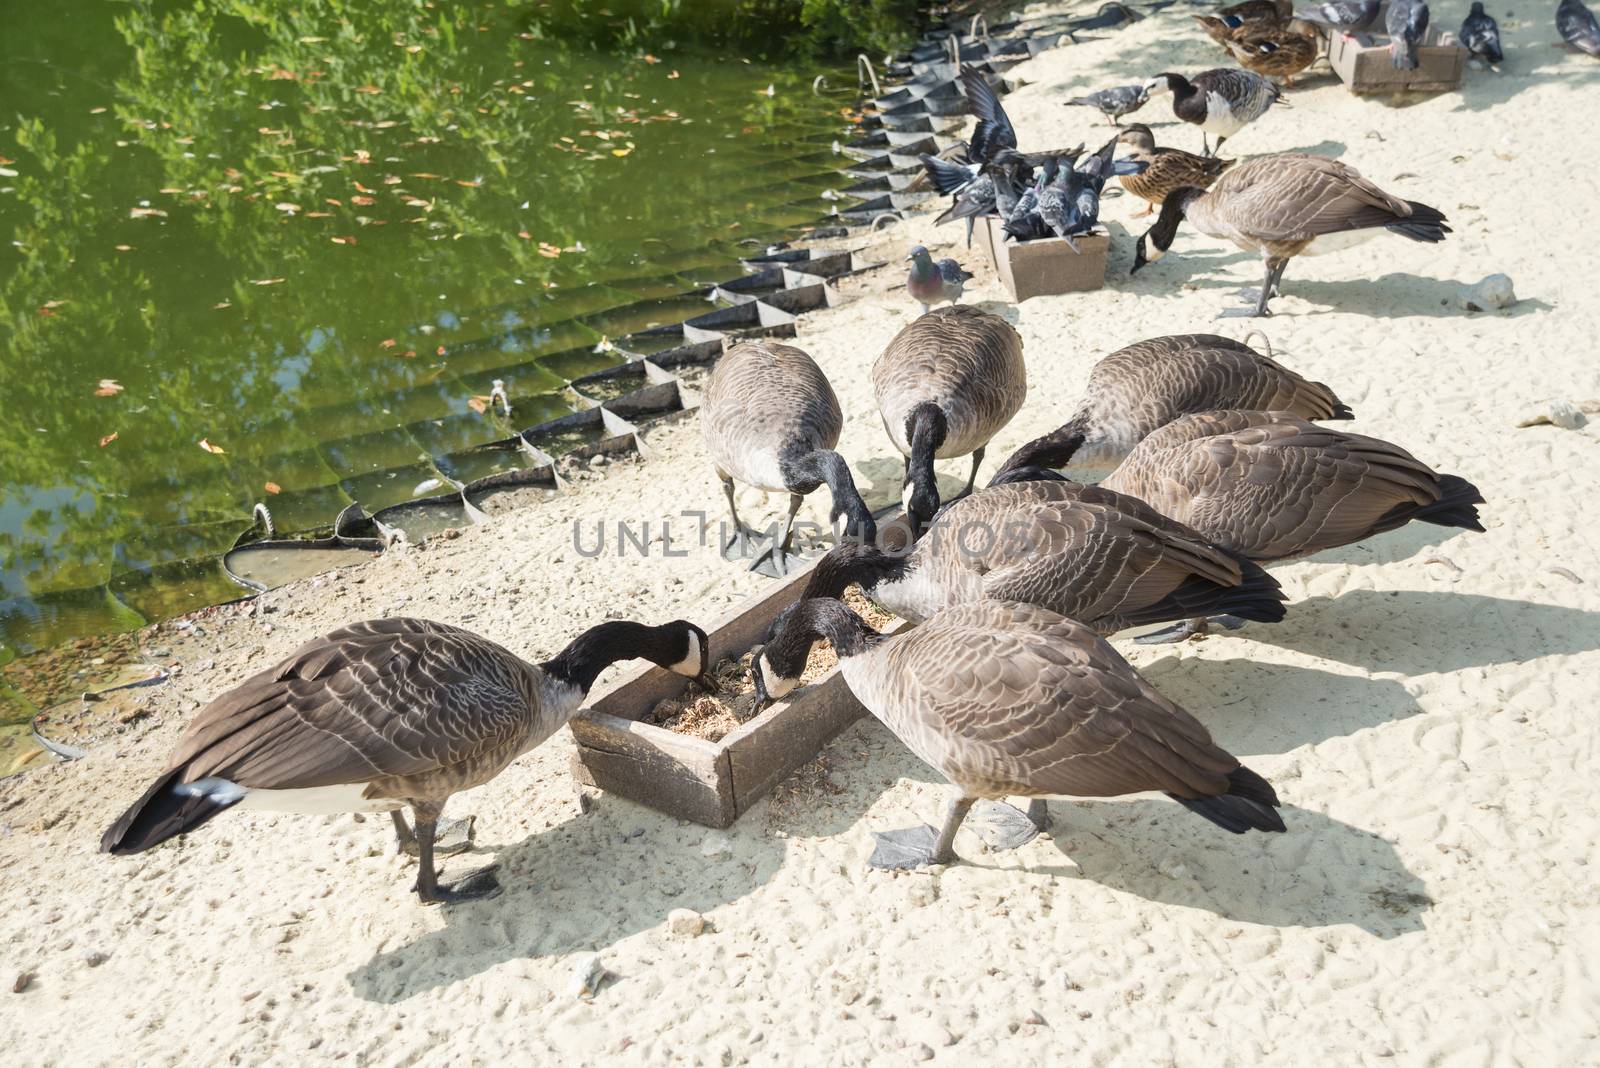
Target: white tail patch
(317,800)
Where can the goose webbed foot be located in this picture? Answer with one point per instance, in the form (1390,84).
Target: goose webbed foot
(909,847)
(479,885)
(1004,827)
(1177,632)
(773,562)
(740,545)
(1227,622)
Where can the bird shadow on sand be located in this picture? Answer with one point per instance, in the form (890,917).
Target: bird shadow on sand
(1321,873)
(1393,546)
(1009,312)
(1537,63)
(558,896)
(1419,632)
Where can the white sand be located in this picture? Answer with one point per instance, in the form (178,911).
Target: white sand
(1427,712)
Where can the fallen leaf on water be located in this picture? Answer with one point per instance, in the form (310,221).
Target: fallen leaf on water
(97,111)
(287,208)
(146,213)
(272,487)
(363,201)
(439,351)
(216,450)
(222,304)
(333,201)
(391,179)
(370,90)
(473,184)
(388,343)
(55,303)
(363,188)
(478,404)
(524,235)
(620,151)
(124,248)
(319,214)
(265,281)
(548,251)
(108,439)
(109,387)
(673,74)
(342,240)
(409,354)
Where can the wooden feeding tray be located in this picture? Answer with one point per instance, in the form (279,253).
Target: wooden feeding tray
(1047,266)
(1362,61)
(710,783)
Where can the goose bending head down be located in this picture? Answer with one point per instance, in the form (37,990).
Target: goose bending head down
(771,420)
(1289,205)
(946,384)
(1146,385)
(1106,559)
(380,715)
(1014,700)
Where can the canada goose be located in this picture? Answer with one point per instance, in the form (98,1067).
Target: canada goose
(1577,26)
(1286,206)
(1407,23)
(1110,561)
(1272,486)
(380,715)
(1272,51)
(1345,16)
(1165,169)
(770,420)
(1148,384)
(1114,103)
(1008,700)
(945,385)
(1222,101)
(933,282)
(1480,35)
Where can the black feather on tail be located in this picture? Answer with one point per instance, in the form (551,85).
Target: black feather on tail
(1423,224)
(1249,804)
(1456,506)
(1342,411)
(160,814)
(1258,597)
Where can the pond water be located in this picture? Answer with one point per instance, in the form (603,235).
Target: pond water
(274,252)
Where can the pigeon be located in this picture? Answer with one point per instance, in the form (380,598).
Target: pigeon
(932,283)
(1024,222)
(1344,15)
(994,130)
(1407,24)
(1577,26)
(1114,103)
(1480,33)
(979,189)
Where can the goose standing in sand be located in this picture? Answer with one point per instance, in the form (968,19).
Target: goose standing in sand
(1222,101)
(1013,700)
(1107,560)
(1165,169)
(380,715)
(1286,206)
(946,384)
(1140,388)
(1577,26)
(771,420)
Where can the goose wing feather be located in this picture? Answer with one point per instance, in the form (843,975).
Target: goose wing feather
(1005,698)
(386,698)
(1270,485)
(760,398)
(1297,197)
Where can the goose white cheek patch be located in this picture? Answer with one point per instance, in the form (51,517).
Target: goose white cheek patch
(775,685)
(690,664)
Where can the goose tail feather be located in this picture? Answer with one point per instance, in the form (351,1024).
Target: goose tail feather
(1456,506)
(1423,224)
(1250,804)
(165,811)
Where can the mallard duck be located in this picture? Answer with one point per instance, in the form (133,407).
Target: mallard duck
(1480,35)
(382,715)
(1286,206)
(1165,169)
(1222,101)
(770,419)
(1222,29)
(1143,387)
(1272,51)
(946,384)
(933,282)
(1407,23)
(1014,700)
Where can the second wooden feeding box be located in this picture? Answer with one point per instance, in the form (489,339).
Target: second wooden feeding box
(711,783)
(1362,61)
(1046,266)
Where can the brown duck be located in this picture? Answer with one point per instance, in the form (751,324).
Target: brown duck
(1166,169)
(1272,51)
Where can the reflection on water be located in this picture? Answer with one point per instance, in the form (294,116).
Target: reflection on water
(276,255)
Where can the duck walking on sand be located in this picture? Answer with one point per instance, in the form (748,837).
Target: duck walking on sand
(933,281)
(770,419)
(1289,205)
(1140,388)
(381,715)
(1407,23)
(946,384)
(1014,700)
(1221,101)
(1577,26)
(1480,35)
(1114,103)
(1165,169)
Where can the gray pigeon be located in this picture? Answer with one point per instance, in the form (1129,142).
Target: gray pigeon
(1480,34)
(1407,24)
(933,283)
(1345,15)
(1577,26)
(1114,103)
